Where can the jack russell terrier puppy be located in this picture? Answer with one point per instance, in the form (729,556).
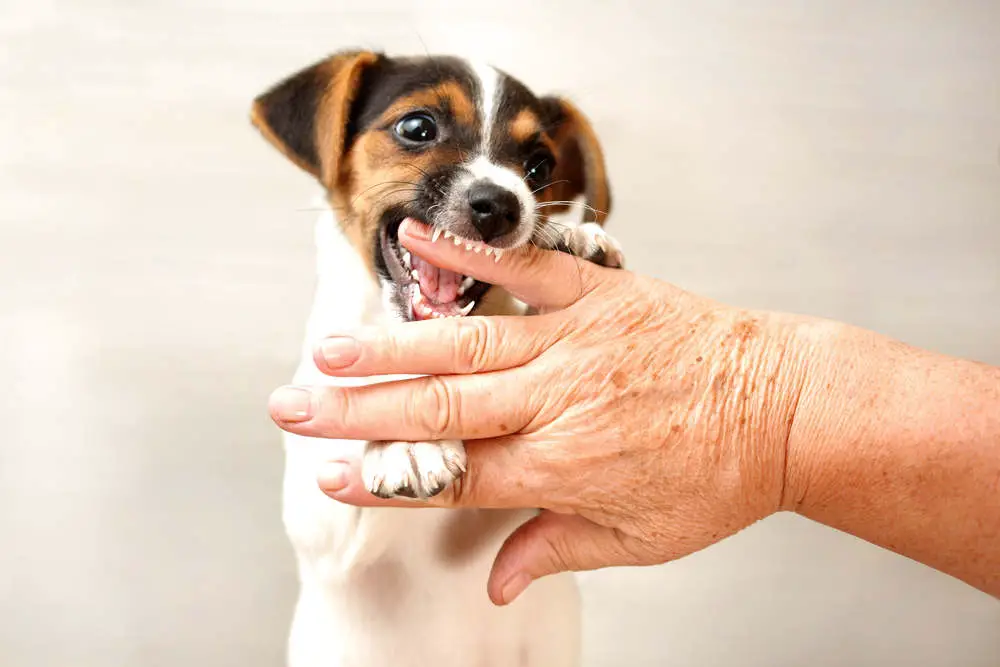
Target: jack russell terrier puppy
(472,152)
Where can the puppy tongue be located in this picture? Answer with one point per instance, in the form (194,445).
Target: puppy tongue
(438,285)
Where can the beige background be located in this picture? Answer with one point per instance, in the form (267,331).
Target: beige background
(833,157)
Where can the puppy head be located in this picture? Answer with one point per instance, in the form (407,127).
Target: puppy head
(465,148)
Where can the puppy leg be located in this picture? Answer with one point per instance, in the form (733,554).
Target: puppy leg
(411,469)
(589,241)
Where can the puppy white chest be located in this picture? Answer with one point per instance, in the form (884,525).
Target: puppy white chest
(380,586)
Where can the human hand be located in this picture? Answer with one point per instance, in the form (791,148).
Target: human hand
(646,422)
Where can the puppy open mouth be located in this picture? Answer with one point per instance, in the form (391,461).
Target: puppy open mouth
(430,291)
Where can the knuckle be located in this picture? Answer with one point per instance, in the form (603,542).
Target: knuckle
(475,338)
(335,409)
(389,349)
(557,549)
(438,411)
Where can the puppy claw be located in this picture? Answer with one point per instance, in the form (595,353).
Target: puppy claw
(412,469)
(374,485)
(455,464)
(589,241)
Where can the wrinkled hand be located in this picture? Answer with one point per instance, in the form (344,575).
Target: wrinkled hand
(646,422)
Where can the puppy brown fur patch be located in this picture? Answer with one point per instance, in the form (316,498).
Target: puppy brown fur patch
(524,126)
(579,159)
(448,96)
(380,175)
(305,116)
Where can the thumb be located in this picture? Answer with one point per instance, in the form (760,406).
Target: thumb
(551,543)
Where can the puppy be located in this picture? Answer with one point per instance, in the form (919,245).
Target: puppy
(471,151)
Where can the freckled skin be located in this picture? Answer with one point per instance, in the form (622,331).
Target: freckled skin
(652,423)
(608,388)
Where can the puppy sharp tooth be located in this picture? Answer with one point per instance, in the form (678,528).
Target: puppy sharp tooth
(457,241)
(406,257)
(497,255)
(468,308)
(477,249)
(436,234)
(447,234)
(489,251)
(468,246)
(466,284)
(415,274)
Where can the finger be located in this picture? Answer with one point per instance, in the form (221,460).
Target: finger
(464,407)
(439,347)
(552,543)
(491,481)
(541,278)
(341,480)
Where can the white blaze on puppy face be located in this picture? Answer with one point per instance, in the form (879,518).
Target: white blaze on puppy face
(489,89)
(483,167)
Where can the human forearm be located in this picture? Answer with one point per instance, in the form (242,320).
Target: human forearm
(901,447)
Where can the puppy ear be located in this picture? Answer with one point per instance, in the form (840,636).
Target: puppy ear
(579,160)
(307,115)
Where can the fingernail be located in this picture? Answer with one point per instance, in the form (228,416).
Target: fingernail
(333,477)
(514,587)
(415,230)
(340,351)
(292,404)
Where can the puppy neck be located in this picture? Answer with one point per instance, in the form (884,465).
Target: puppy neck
(347,295)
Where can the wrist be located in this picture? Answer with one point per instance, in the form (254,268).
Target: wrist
(777,372)
(842,375)
(899,447)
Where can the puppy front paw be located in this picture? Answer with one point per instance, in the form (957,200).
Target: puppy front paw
(589,241)
(393,468)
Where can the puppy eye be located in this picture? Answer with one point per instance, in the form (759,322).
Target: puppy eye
(418,128)
(538,169)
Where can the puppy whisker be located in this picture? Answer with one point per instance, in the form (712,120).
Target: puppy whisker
(418,168)
(570,203)
(386,195)
(381,184)
(549,234)
(547,185)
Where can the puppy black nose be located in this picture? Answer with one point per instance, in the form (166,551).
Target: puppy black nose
(494,210)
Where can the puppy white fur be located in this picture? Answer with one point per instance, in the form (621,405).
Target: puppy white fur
(388,586)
